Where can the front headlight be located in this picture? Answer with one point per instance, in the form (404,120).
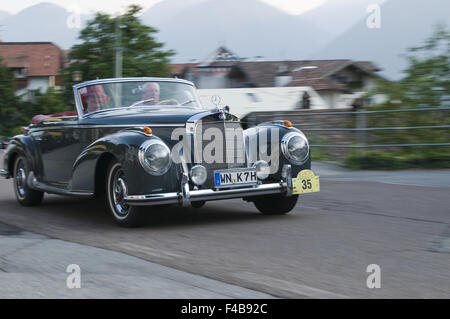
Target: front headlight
(295,147)
(154,157)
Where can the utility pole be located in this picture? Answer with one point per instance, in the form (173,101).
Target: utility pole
(118,50)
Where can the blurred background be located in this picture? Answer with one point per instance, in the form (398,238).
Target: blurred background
(368,81)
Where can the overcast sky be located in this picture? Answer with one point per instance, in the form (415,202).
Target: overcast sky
(113,6)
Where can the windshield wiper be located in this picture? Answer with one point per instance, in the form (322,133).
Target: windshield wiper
(141,101)
(187,102)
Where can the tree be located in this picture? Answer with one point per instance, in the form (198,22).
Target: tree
(426,84)
(95,56)
(10,115)
(427,78)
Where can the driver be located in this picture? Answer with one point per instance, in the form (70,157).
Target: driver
(151,92)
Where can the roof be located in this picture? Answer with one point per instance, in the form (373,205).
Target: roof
(263,73)
(319,84)
(178,68)
(40,58)
(222,54)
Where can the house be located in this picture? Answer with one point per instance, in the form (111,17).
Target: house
(243,101)
(339,82)
(36,65)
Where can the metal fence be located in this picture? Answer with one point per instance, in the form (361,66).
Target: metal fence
(361,126)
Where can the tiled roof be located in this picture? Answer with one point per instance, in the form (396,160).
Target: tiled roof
(319,84)
(263,73)
(41,58)
(178,68)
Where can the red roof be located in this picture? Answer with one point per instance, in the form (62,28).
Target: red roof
(40,58)
(178,68)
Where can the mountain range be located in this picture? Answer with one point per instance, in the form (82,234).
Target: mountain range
(194,28)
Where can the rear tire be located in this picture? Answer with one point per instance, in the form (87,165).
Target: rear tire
(275,204)
(198,204)
(25,195)
(123,214)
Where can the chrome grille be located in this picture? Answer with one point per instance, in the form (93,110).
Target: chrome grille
(232,145)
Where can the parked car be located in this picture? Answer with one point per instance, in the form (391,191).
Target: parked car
(143,142)
(4,142)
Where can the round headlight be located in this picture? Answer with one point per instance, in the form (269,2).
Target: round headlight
(262,169)
(154,157)
(198,175)
(295,148)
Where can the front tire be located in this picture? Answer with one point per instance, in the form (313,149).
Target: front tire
(116,189)
(275,204)
(25,195)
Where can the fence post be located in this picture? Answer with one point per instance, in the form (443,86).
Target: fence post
(361,125)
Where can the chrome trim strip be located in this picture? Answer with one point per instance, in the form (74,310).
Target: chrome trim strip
(88,126)
(204,195)
(137,79)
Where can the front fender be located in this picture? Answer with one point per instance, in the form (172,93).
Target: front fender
(259,144)
(124,147)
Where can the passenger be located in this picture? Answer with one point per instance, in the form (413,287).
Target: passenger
(94,98)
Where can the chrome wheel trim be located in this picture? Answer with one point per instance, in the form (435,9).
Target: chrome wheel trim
(20,179)
(117,192)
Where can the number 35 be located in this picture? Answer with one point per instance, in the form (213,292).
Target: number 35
(306,184)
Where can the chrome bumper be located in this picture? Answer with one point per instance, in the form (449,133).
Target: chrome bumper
(185,196)
(4,173)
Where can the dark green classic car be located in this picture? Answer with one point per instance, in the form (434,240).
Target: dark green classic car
(144,142)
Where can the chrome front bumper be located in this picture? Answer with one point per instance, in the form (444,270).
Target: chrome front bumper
(185,196)
(4,173)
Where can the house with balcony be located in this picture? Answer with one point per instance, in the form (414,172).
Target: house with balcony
(339,82)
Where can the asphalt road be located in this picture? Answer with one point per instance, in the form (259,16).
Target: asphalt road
(398,220)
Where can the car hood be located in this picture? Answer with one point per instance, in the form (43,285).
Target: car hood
(148,116)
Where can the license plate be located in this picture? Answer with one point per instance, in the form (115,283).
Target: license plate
(306,182)
(237,177)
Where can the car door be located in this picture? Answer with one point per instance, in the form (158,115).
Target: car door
(59,144)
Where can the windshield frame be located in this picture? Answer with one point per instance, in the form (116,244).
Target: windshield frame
(79,104)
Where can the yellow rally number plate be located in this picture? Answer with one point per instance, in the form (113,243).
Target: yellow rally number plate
(306,182)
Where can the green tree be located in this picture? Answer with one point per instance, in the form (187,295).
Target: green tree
(50,102)
(427,78)
(426,84)
(95,56)
(10,113)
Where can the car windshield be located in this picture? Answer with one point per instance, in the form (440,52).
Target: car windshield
(104,96)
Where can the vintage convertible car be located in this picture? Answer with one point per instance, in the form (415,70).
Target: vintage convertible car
(140,142)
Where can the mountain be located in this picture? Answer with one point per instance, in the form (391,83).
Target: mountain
(404,24)
(4,15)
(249,27)
(336,17)
(41,22)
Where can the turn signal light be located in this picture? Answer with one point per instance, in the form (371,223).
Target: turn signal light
(148,130)
(287,123)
